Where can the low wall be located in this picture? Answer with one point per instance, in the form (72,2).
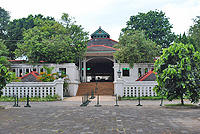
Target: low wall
(42,89)
(136,88)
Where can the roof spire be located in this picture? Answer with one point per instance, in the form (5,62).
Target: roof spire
(99,27)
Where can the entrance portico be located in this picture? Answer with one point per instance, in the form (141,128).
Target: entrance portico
(99,61)
(98,68)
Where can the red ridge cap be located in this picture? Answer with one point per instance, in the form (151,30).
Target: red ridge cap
(102,46)
(16,60)
(146,75)
(105,38)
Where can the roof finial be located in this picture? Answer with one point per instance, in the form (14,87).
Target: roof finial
(99,27)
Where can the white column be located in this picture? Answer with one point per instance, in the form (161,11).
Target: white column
(23,72)
(80,69)
(84,71)
(18,72)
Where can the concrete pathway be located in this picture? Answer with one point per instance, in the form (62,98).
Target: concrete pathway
(68,117)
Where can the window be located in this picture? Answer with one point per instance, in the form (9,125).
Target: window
(125,71)
(139,72)
(63,70)
(27,70)
(41,70)
(20,72)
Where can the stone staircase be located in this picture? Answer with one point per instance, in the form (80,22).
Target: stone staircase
(104,88)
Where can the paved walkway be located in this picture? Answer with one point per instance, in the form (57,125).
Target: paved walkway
(68,117)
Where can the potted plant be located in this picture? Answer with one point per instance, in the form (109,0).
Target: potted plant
(119,98)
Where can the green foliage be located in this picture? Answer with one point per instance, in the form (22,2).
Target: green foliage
(5,75)
(194,34)
(47,76)
(135,48)
(53,42)
(179,104)
(182,39)
(178,72)
(47,98)
(17,27)
(4,20)
(3,48)
(156,26)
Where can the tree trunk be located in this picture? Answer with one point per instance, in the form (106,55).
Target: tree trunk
(182,102)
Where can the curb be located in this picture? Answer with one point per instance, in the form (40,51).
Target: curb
(2,107)
(182,107)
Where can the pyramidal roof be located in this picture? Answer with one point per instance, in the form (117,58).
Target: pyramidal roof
(100,33)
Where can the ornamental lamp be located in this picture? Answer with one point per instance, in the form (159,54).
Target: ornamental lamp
(119,73)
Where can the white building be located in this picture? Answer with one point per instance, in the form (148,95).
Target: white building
(97,68)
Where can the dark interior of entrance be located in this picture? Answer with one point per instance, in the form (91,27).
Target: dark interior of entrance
(100,69)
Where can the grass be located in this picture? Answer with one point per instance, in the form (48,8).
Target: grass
(12,99)
(144,98)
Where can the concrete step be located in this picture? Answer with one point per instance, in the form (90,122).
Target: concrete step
(103,88)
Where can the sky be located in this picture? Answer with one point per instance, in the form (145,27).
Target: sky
(111,15)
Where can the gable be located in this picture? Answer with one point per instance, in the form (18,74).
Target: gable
(100,33)
(149,76)
(30,77)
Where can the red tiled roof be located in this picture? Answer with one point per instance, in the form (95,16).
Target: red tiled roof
(142,78)
(34,73)
(106,38)
(23,60)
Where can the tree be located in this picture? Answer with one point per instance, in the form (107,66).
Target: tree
(178,72)
(52,42)
(156,26)
(17,27)
(3,48)
(194,34)
(5,76)
(182,39)
(135,48)
(4,20)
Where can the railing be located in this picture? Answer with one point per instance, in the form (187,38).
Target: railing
(33,89)
(134,91)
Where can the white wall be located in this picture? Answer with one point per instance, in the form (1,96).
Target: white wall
(135,88)
(71,70)
(42,89)
(133,71)
(127,85)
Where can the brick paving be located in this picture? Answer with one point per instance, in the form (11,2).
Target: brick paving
(68,117)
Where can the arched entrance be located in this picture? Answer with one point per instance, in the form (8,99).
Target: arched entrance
(99,68)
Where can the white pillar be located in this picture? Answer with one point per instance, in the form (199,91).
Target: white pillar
(22,71)
(80,69)
(18,73)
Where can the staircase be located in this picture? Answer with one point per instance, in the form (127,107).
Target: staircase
(104,88)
